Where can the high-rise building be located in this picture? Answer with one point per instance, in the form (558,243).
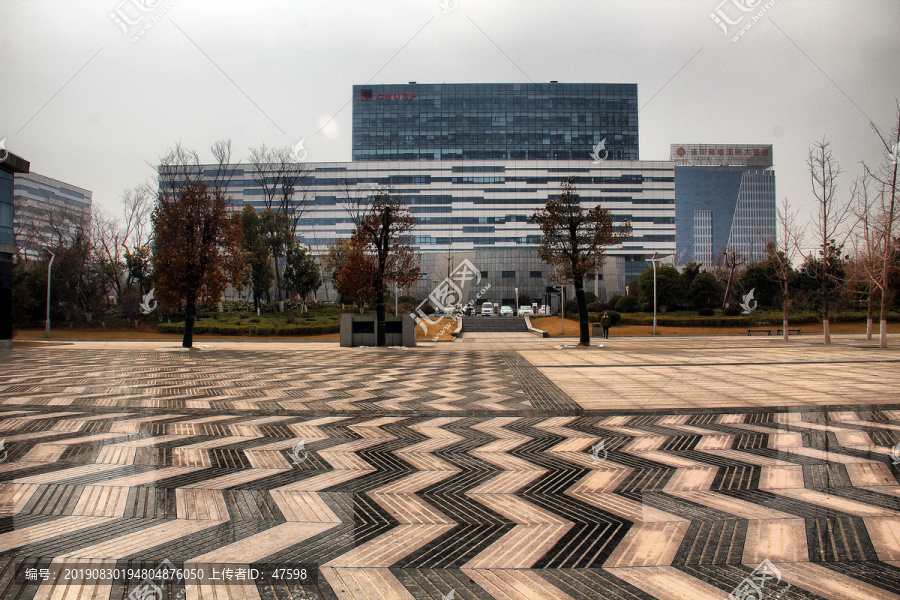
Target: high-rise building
(10,166)
(48,212)
(725,199)
(474,161)
(483,208)
(495,121)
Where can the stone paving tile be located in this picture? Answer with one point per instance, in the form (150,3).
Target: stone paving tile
(490,473)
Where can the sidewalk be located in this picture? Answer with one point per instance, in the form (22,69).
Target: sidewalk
(659,468)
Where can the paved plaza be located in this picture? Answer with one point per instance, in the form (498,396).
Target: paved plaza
(499,466)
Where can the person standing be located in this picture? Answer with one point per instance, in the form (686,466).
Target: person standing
(604,323)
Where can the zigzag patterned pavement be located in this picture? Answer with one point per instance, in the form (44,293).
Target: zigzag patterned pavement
(426,474)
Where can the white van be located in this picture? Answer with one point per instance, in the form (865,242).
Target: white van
(487,309)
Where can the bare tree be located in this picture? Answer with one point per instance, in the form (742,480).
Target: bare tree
(285,185)
(25,230)
(829,228)
(116,242)
(294,180)
(107,247)
(180,167)
(877,220)
(64,224)
(862,264)
(733,260)
(781,253)
(266,173)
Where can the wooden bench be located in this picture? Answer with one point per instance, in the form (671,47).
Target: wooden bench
(790,331)
(752,331)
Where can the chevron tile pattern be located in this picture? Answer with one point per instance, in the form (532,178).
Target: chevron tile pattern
(414,474)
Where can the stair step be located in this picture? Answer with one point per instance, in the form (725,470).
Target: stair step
(494,324)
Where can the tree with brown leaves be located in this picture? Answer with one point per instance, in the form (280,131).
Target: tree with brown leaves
(575,242)
(197,243)
(356,275)
(383,225)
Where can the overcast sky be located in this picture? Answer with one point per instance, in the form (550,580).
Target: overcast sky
(91,105)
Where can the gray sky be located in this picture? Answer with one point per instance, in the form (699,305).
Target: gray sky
(89,106)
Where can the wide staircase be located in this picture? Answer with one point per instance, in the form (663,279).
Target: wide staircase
(494,324)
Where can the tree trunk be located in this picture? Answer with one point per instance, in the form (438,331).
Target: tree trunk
(882,328)
(784,315)
(869,318)
(380,317)
(380,313)
(583,325)
(825,327)
(189,318)
(278,277)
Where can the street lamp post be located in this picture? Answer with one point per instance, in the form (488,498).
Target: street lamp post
(49,271)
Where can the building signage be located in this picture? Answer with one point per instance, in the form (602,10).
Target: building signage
(367,94)
(722,154)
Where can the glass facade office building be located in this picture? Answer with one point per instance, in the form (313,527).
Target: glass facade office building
(10,166)
(484,207)
(725,199)
(493,121)
(48,210)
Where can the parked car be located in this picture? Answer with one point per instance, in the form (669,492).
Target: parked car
(506,311)
(487,309)
(526,311)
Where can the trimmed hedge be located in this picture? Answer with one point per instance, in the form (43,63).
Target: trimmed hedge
(251,328)
(751,320)
(850,316)
(627,304)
